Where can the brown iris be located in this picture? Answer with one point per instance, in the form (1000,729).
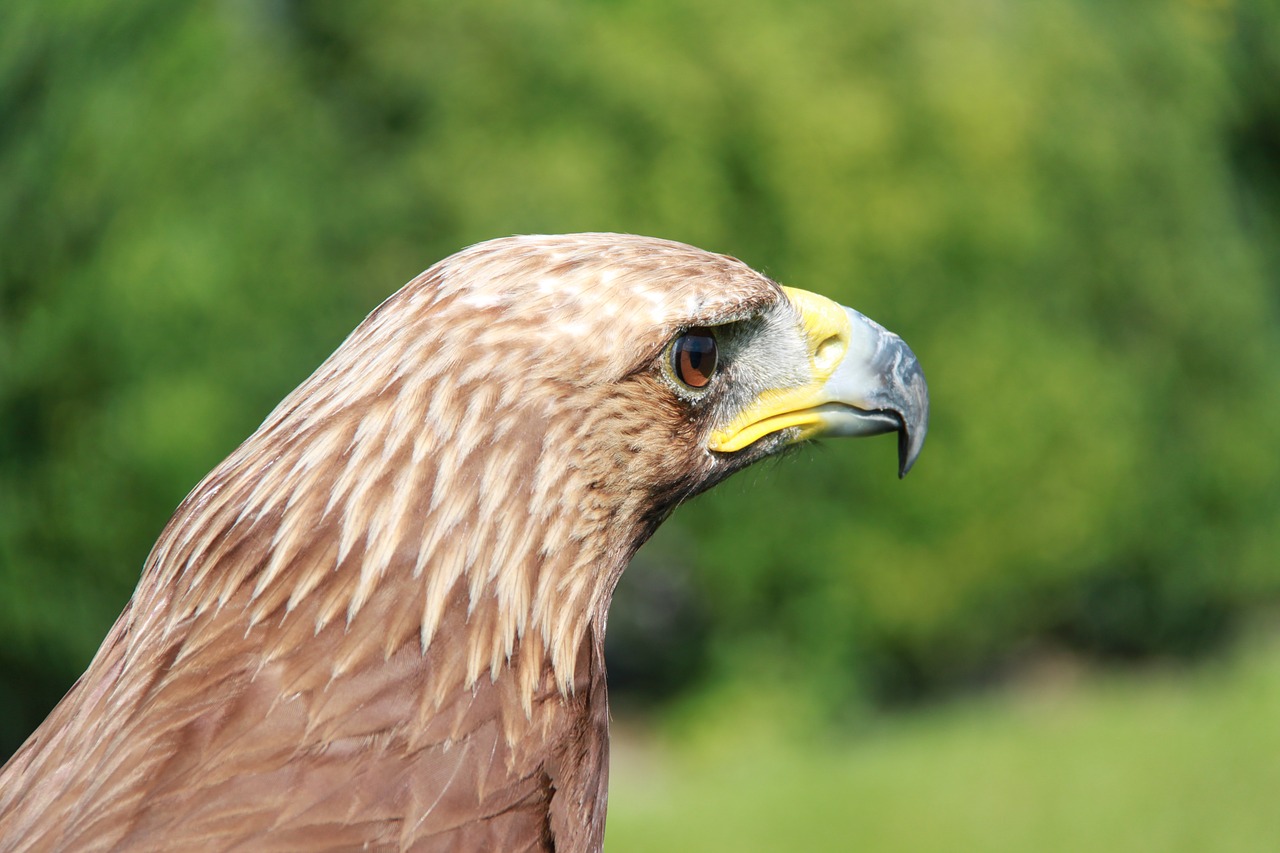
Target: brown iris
(693,357)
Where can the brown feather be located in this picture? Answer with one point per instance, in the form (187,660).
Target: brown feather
(379,622)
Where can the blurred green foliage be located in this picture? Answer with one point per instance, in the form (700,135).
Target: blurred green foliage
(1162,761)
(1070,209)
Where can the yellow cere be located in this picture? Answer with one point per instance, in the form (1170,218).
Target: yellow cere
(826,325)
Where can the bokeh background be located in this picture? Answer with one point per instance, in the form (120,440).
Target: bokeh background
(1056,634)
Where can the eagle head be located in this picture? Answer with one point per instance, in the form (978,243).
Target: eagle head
(392,597)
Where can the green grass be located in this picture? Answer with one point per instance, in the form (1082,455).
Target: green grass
(1159,762)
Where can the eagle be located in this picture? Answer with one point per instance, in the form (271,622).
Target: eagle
(379,623)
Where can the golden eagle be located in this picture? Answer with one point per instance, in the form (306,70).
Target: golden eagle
(379,623)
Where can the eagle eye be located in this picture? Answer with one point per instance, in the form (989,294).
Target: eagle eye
(693,357)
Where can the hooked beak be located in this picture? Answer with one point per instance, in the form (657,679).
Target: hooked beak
(862,380)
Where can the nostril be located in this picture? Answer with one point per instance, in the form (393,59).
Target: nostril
(828,352)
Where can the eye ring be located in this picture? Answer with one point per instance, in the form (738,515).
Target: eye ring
(694,357)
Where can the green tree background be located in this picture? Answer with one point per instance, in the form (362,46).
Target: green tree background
(1070,209)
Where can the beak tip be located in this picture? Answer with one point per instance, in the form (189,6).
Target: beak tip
(896,381)
(915,418)
(908,451)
